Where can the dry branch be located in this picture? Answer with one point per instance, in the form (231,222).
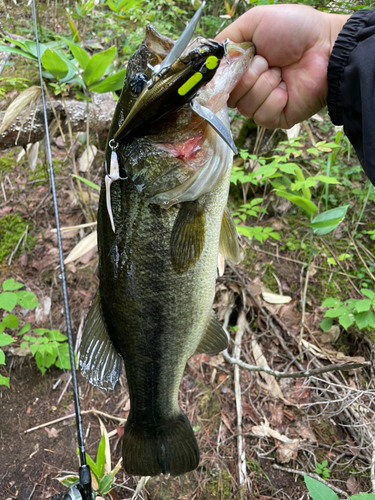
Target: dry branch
(301,374)
(314,476)
(29,125)
(237,389)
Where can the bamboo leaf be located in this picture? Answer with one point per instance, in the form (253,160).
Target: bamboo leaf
(19,104)
(98,64)
(328,221)
(53,63)
(301,202)
(86,181)
(88,243)
(109,84)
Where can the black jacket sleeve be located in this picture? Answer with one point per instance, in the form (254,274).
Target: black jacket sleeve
(351,86)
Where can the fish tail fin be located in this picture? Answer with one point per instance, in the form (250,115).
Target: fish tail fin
(153,450)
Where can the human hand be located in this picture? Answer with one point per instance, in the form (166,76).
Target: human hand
(287,80)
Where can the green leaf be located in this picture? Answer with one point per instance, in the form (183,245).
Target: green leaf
(287,168)
(318,490)
(106,484)
(109,84)
(92,465)
(34,348)
(53,63)
(56,335)
(328,221)
(301,202)
(364,319)
(327,180)
(24,329)
(10,321)
(69,481)
(2,357)
(326,324)
(98,64)
(346,320)
(363,305)
(14,50)
(5,339)
(363,496)
(11,285)
(100,456)
(31,47)
(27,300)
(4,380)
(8,300)
(79,54)
(368,293)
(63,360)
(331,302)
(86,181)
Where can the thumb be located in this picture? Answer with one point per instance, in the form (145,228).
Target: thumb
(243,28)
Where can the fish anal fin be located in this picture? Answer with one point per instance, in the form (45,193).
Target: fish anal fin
(99,360)
(228,244)
(214,340)
(188,235)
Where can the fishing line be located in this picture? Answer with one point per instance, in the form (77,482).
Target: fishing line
(84,486)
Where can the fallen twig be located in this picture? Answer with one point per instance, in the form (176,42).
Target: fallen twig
(72,415)
(301,374)
(314,476)
(241,323)
(373,467)
(24,235)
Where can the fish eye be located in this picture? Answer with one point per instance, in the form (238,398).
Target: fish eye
(137,83)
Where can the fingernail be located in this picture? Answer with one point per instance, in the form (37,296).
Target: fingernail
(259,65)
(277,71)
(282,84)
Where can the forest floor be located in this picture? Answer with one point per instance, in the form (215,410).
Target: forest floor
(289,426)
(283,424)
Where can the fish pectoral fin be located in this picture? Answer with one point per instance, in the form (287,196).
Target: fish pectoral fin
(99,360)
(188,235)
(214,340)
(228,244)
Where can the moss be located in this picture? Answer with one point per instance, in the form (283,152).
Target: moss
(8,161)
(219,486)
(209,405)
(12,228)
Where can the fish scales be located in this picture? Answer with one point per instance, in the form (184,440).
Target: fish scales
(157,274)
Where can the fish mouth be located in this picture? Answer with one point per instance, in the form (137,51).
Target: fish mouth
(197,145)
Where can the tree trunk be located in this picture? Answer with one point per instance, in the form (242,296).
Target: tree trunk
(29,125)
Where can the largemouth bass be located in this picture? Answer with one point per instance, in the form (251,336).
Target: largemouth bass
(158,242)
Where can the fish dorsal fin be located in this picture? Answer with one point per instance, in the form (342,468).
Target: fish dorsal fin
(214,340)
(228,245)
(99,360)
(187,238)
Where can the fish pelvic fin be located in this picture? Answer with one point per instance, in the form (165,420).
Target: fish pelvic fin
(99,360)
(170,448)
(214,340)
(228,244)
(188,235)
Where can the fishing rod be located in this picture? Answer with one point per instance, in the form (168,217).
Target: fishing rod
(82,490)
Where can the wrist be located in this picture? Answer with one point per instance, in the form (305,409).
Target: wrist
(336,23)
